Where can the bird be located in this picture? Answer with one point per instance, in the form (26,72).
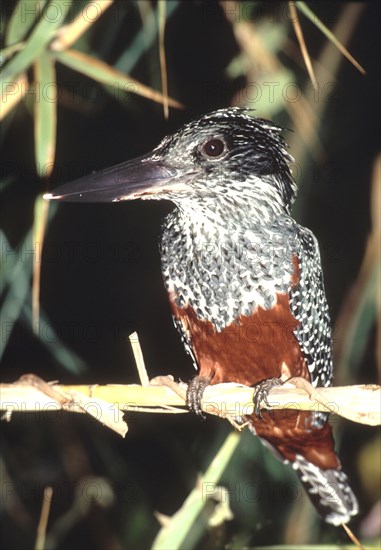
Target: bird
(244,279)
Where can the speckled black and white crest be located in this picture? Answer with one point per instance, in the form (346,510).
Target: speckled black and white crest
(255,165)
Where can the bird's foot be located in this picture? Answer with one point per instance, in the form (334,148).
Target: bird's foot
(195,391)
(261,394)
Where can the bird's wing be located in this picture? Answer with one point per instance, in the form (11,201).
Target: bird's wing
(309,306)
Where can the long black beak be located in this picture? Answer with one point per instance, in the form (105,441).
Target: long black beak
(143,177)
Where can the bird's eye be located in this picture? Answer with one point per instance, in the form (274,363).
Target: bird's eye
(213,148)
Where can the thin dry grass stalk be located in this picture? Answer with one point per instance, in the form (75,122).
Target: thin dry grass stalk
(302,44)
(163,62)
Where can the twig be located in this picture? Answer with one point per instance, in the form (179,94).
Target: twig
(169,382)
(139,359)
(106,403)
(52,396)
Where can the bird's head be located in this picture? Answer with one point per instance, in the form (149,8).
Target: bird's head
(225,157)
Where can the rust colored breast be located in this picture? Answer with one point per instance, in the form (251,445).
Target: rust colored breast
(247,351)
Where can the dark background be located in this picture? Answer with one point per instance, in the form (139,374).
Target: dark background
(101,280)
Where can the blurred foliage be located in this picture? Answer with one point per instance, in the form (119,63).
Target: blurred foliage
(81,89)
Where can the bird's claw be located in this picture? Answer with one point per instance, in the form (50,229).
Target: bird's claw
(262,391)
(195,391)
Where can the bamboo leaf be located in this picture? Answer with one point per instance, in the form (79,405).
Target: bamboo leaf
(16,273)
(16,270)
(22,20)
(105,74)
(45,114)
(45,332)
(69,34)
(13,93)
(38,40)
(41,210)
(143,39)
(174,533)
(364,318)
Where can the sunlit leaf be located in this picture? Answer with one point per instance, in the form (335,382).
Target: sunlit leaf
(24,16)
(13,93)
(45,114)
(40,37)
(105,74)
(41,209)
(69,34)
(176,528)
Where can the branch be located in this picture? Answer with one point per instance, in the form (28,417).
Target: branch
(107,403)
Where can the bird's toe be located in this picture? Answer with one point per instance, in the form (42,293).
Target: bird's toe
(261,394)
(195,391)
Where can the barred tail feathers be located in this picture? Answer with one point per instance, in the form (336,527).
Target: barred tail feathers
(328,490)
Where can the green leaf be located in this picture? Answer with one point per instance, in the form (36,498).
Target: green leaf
(364,318)
(15,278)
(105,74)
(38,40)
(45,111)
(22,20)
(16,270)
(45,332)
(41,211)
(173,534)
(143,39)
